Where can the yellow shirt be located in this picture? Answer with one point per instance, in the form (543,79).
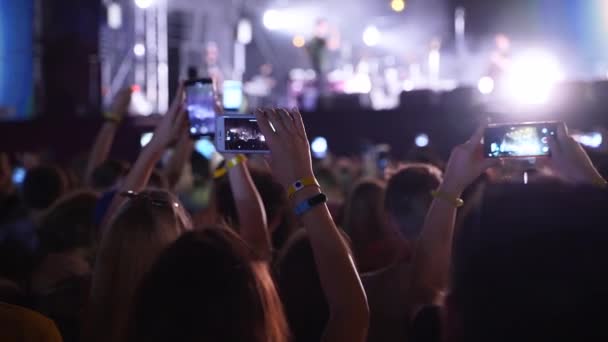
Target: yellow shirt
(19,324)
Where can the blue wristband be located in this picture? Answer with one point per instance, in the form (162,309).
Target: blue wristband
(310,203)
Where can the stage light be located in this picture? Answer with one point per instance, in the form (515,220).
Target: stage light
(319,147)
(139,49)
(298,41)
(114,16)
(593,139)
(398,5)
(359,84)
(532,77)
(422,140)
(143,4)
(371,36)
(485,85)
(408,85)
(244,32)
(273,20)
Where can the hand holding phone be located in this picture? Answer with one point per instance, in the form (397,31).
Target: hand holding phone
(200,104)
(570,160)
(466,163)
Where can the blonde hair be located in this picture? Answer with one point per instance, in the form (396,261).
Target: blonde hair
(144,226)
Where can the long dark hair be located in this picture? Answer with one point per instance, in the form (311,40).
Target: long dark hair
(208,287)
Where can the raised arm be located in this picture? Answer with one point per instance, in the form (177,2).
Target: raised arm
(105,136)
(570,161)
(181,154)
(349,313)
(140,173)
(253,226)
(433,250)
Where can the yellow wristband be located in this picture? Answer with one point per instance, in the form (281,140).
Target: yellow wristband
(229,165)
(238,159)
(301,184)
(456,201)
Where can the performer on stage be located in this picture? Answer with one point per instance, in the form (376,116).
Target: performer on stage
(500,60)
(317,50)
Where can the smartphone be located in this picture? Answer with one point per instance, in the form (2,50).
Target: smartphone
(18,175)
(232,95)
(239,134)
(200,100)
(145,139)
(205,148)
(521,140)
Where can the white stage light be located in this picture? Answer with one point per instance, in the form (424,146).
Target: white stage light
(145,139)
(114,16)
(244,32)
(359,84)
(273,19)
(422,140)
(532,77)
(485,85)
(593,140)
(139,49)
(143,4)
(319,147)
(371,36)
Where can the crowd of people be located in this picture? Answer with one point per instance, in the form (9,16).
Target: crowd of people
(288,248)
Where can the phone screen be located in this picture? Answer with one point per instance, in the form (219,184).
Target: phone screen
(18,175)
(200,106)
(232,95)
(519,140)
(243,134)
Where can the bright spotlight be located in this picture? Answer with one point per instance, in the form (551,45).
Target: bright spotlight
(298,41)
(422,140)
(273,19)
(139,49)
(533,76)
(408,85)
(371,36)
(319,147)
(485,85)
(398,5)
(143,4)
(593,140)
(114,16)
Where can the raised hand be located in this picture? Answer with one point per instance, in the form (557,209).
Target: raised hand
(466,163)
(570,161)
(172,124)
(287,142)
(120,104)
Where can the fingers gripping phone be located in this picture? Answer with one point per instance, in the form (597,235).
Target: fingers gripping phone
(200,100)
(239,134)
(521,140)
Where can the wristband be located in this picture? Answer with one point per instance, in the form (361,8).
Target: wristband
(310,203)
(301,184)
(240,158)
(456,201)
